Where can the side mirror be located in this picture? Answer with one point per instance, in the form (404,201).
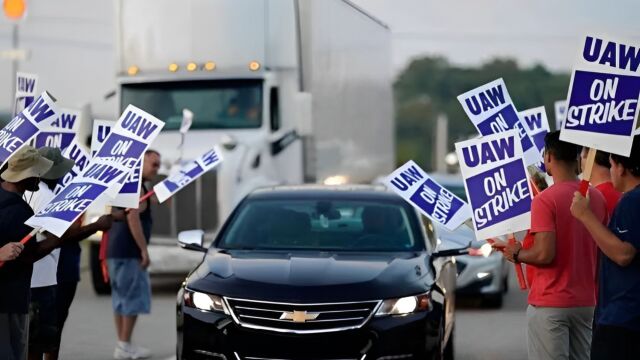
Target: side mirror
(192,240)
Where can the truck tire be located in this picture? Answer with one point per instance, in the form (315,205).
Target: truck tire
(99,286)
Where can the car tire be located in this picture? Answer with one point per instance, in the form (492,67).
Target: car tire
(99,286)
(493,301)
(505,285)
(448,353)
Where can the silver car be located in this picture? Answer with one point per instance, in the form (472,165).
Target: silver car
(484,272)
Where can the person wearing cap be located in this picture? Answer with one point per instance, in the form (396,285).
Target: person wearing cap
(42,312)
(23,173)
(617,323)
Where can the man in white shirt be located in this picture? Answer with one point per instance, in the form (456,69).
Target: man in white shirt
(42,319)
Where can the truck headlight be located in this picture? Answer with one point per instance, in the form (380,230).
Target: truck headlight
(205,302)
(405,305)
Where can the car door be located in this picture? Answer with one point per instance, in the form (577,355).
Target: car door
(445,272)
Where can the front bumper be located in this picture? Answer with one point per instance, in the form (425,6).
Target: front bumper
(208,335)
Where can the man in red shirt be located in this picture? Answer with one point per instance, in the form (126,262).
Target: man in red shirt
(601,178)
(562,296)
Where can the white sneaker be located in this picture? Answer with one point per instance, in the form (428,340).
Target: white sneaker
(130,352)
(121,353)
(138,352)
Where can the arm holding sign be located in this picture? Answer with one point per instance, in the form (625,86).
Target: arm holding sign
(51,242)
(620,252)
(135,226)
(543,251)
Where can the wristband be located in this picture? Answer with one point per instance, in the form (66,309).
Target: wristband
(515,256)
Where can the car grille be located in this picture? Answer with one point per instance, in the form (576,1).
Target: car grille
(301,318)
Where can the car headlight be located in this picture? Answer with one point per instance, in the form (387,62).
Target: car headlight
(405,305)
(205,302)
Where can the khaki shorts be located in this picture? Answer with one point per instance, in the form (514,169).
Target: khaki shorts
(559,333)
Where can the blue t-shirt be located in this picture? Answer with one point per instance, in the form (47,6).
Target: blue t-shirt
(619,293)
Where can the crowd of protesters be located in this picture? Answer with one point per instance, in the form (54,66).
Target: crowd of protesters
(38,279)
(584,300)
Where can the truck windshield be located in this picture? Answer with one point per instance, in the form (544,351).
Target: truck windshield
(322,225)
(216,104)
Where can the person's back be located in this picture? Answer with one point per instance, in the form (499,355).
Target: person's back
(569,281)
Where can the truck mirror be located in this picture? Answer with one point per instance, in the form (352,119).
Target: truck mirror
(303,113)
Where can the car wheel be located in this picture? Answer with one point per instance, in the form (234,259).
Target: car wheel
(99,286)
(448,350)
(505,285)
(493,301)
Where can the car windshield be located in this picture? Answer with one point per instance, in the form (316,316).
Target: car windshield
(216,104)
(324,225)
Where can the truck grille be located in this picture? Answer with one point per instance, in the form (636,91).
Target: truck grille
(194,207)
(301,318)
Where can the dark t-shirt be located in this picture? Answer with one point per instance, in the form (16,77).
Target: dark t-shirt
(121,242)
(15,276)
(619,294)
(69,263)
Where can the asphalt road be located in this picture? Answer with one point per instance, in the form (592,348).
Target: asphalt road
(480,333)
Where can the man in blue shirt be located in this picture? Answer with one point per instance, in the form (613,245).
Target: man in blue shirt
(617,332)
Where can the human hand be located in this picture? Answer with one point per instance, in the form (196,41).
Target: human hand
(580,206)
(119,215)
(144,261)
(497,245)
(511,249)
(10,251)
(104,222)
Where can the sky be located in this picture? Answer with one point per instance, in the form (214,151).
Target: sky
(470,32)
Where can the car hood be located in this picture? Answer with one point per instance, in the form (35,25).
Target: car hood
(311,276)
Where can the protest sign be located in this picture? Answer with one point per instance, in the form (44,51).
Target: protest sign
(491,111)
(26,125)
(61,132)
(76,152)
(560,108)
(602,104)
(537,125)
(187,174)
(26,88)
(430,198)
(497,184)
(121,150)
(101,129)
(129,194)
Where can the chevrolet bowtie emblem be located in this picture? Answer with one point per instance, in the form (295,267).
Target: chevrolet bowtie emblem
(298,316)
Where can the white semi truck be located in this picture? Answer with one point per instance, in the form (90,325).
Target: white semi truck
(292,90)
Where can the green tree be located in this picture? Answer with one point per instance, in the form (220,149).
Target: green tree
(430,86)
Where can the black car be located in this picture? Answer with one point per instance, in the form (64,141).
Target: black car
(315,272)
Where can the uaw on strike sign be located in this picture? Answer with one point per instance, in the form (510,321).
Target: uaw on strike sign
(491,111)
(430,198)
(125,145)
(497,184)
(602,106)
(187,174)
(61,132)
(24,126)
(129,194)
